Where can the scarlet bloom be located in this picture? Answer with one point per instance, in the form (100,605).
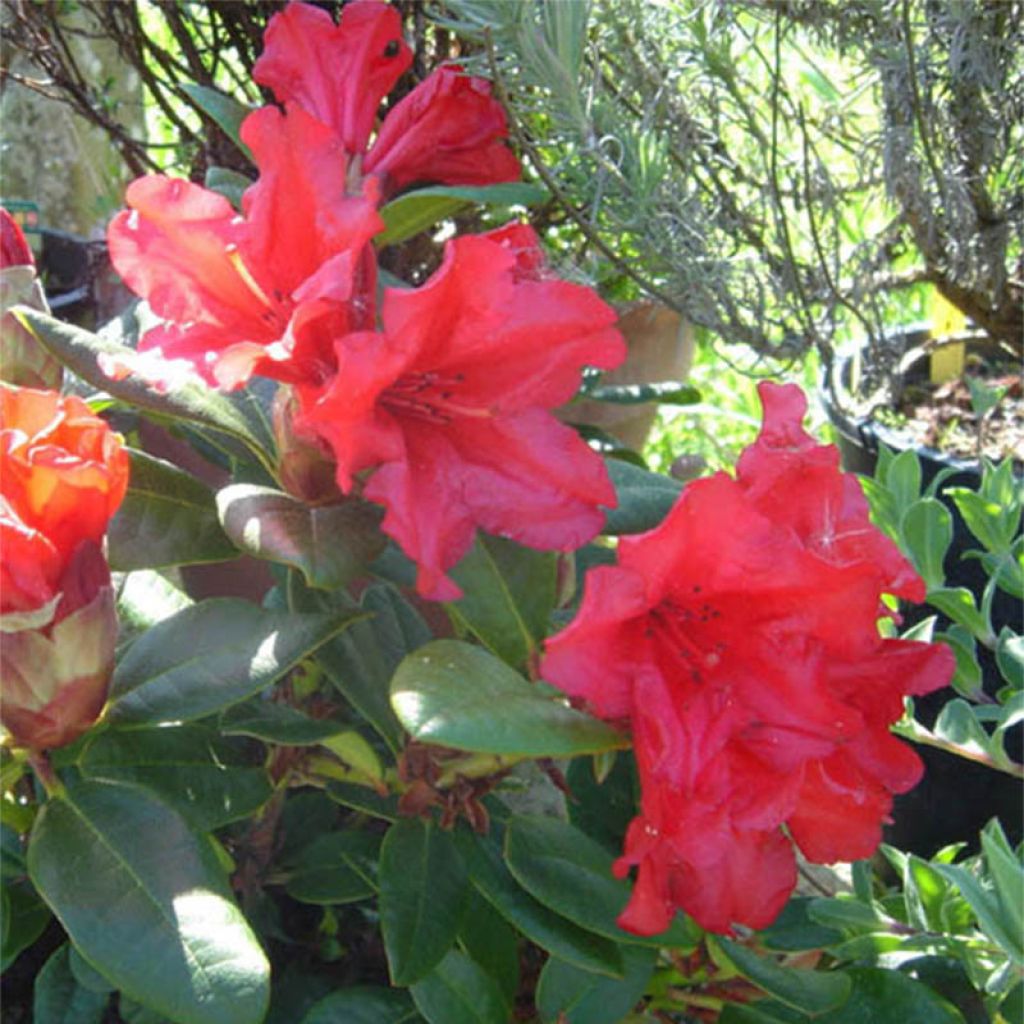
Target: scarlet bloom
(238,291)
(14,250)
(63,474)
(448,130)
(739,641)
(449,405)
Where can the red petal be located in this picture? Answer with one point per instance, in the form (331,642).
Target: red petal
(448,130)
(337,73)
(14,250)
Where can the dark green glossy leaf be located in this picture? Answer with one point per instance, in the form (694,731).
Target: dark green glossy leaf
(664,393)
(447,693)
(85,974)
(338,867)
(361,1004)
(813,992)
(363,799)
(230,184)
(277,723)
(508,594)
(572,874)
(567,995)
(25,917)
(459,991)
(329,544)
(147,904)
(422,891)
(795,930)
(212,655)
(167,518)
(190,400)
(492,943)
(415,211)
(644,498)
(603,809)
(540,925)
(361,662)
(226,112)
(881,996)
(57,998)
(210,779)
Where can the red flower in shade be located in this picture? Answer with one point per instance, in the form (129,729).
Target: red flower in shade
(739,640)
(63,474)
(449,406)
(449,129)
(238,292)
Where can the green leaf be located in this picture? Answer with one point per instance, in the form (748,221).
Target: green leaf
(958,725)
(664,393)
(880,996)
(361,661)
(1007,874)
(228,183)
(226,112)
(509,592)
(927,529)
(1010,657)
(603,810)
(644,498)
(795,929)
(986,907)
(85,974)
(924,892)
(167,518)
(210,779)
(57,998)
(415,211)
(570,873)
(844,913)
(904,479)
(958,604)
(813,992)
(329,544)
(492,943)
(211,655)
(459,991)
(987,520)
(447,693)
(25,916)
(422,889)
(967,678)
(567,995)
(145,598)
(277,723)
(191,400)
(361,1004)
(147,904)
(364,800)
(540,925)
(336,867)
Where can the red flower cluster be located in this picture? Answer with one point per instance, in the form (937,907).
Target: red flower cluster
(63,473)
(739,641)
(448,405)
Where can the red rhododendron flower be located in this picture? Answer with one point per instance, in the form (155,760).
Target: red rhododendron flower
(739,640)
(448,130)
(14,250)
(238,292)
(449,405)
(63,473)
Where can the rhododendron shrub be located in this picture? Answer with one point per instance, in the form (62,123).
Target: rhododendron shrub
(370,588)
(739,641)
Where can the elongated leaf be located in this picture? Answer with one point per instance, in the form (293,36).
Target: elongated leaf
(958,603)
(664,393)
(492,943)
(147,904)
(361,661)
(927,529)
(337,867)
(57,998)
(414,211)
(456,695)
(226,112)
(329,544)
(572,874)
(211,655)
(540,925)
(422,891)
(189,400)
(25,917)
(167,518)
(890,997)
(459,991)
(277,723)
(567,995)
(364,800)
(509,592)
(210,779)
(813,992)
(361,1004)
(986,907)
(644,498)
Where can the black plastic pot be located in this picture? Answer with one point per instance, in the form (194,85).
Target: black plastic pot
(957,796)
